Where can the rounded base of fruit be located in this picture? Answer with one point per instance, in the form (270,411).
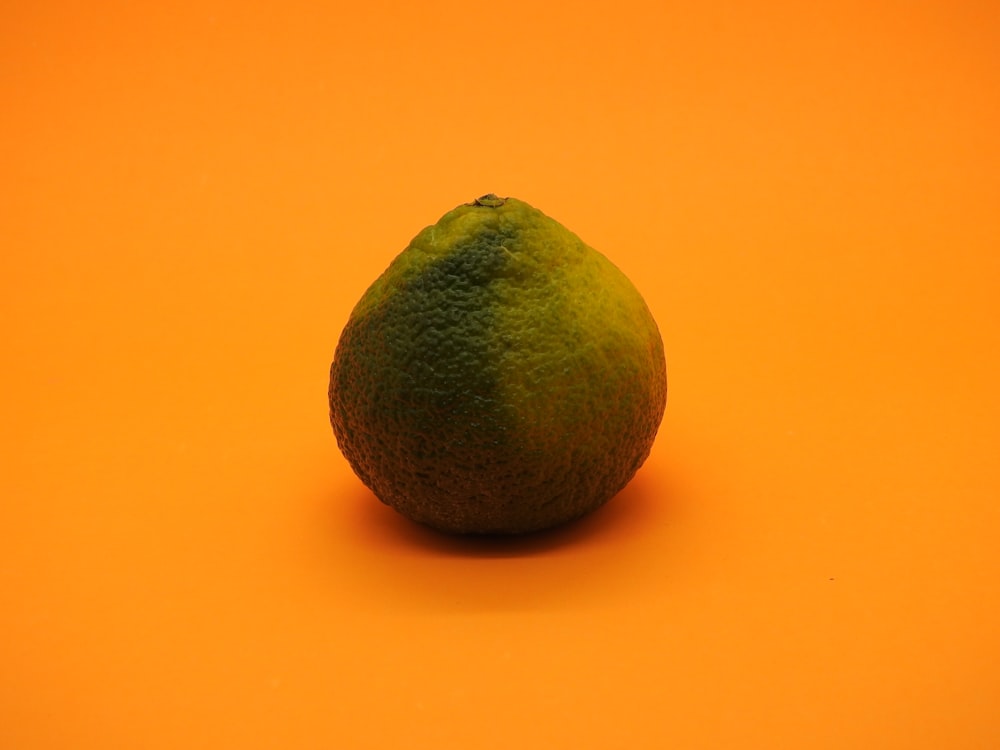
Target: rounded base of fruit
(496,520)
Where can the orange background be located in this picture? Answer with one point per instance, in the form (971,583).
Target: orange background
(194,197)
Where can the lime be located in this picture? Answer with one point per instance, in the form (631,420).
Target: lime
(499,377)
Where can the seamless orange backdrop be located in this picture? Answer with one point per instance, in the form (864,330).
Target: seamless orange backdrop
(192,198)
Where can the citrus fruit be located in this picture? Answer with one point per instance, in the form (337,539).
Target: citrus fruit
(499,377)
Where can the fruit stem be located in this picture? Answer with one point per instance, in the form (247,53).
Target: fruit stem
(491,200)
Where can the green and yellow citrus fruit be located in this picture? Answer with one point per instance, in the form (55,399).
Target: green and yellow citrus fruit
(499,377)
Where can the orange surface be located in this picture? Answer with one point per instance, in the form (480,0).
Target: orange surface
(193,198)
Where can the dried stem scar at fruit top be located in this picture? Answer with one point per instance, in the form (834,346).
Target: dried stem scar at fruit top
(499,377)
